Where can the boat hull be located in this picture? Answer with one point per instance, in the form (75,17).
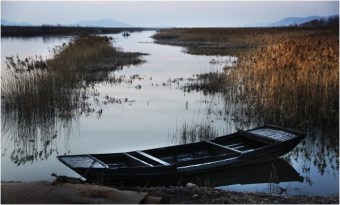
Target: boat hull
(220,153)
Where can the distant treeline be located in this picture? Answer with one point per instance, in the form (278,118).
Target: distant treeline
(62,30)
(332,21)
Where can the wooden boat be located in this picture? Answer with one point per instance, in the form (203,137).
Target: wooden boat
(125,34)
(238,149)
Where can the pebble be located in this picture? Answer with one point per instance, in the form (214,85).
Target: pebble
(195,196)
(191,185)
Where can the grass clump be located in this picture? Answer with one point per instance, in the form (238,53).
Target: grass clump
(54,85)
(207,82)
(194,133)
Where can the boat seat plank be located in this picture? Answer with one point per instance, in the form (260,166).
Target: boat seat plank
(239,147)
(153,158)
(135,158)
(235,145)
(169,159)
(225,147)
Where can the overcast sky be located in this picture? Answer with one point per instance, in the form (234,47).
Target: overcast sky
(175,13)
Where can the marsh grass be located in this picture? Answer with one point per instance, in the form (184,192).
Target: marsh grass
(209,83)
(286,76)
(190,133)
(58,85)
(290,75)
(293,79)
(217,41)
(40,97)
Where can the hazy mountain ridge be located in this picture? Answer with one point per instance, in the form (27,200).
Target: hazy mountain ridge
(13,23)
(85,23)
(294,21)
(326,21)
(102,23)
(108,23)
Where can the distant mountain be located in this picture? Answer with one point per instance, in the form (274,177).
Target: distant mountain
(13,23)
(103,23)
(294,21)
(322,22)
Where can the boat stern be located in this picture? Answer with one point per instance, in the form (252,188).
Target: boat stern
(81,161)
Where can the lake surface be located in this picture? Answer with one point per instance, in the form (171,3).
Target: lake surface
(151,110)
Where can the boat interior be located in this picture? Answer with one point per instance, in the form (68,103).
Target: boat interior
(227,147)
(241,143)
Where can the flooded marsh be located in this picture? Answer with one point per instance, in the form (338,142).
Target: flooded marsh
(135,101)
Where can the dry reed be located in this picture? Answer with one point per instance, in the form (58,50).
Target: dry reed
(289,75)
(286,76)
(41,96)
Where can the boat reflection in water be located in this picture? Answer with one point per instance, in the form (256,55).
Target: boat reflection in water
(273,171)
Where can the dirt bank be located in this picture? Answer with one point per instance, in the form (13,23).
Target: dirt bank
(67,193)
(44,192)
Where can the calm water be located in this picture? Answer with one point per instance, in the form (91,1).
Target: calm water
(156,109)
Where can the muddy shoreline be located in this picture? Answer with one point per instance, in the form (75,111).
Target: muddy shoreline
(20,192)
(204,195)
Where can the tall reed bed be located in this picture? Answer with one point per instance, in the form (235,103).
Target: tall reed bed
(40,96)
(293,81)
(293,78)
(290,75)
(55,86)
(285,76)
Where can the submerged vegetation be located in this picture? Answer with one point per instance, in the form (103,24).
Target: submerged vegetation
(36,94)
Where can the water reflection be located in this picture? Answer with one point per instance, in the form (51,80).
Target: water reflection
(26,144)
(272,172)
(141,107)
